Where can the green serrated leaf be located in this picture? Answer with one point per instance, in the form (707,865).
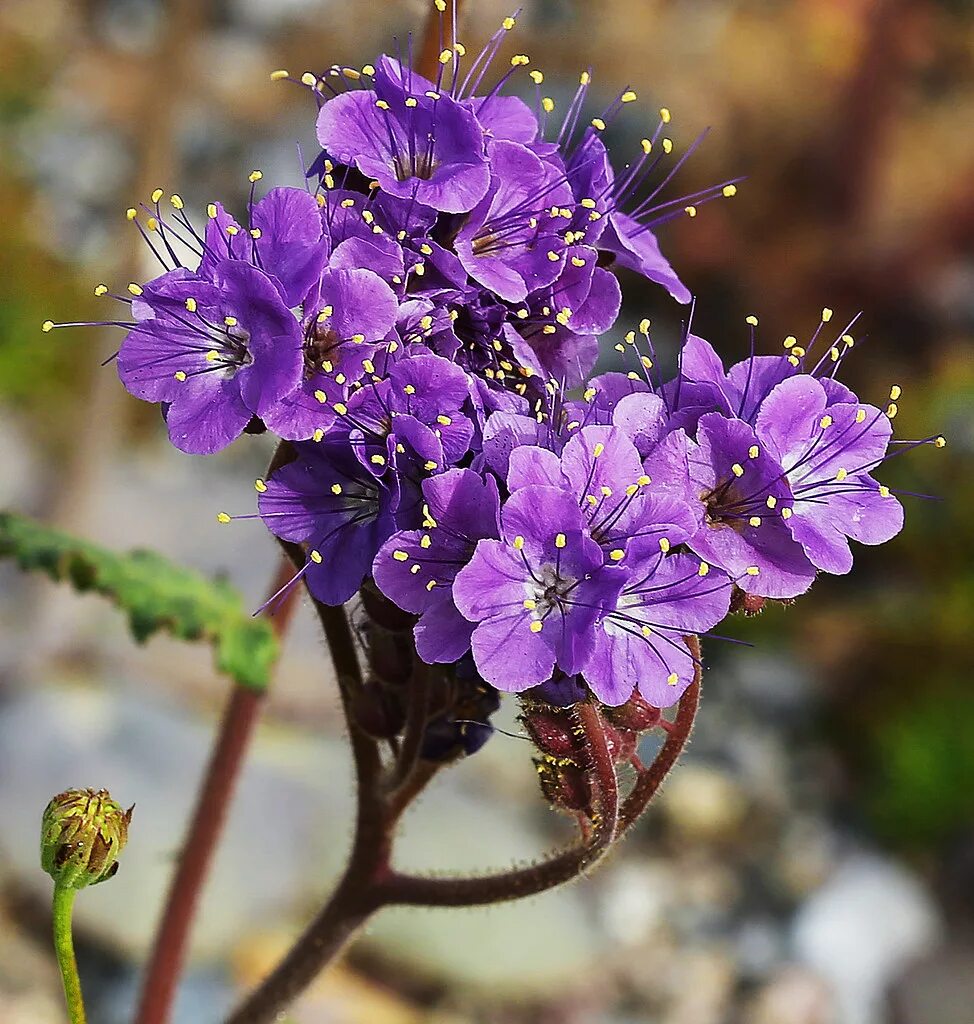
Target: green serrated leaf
(155,595)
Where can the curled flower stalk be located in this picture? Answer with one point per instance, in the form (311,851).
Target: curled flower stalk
(475,515)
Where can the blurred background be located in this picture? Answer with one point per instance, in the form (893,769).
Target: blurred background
(812,859)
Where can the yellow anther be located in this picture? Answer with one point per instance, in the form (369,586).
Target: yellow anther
(446,56)
(703,570)
(382,105)
(834,354)
(598,449)
(737,469)
(530,605)
(667,145)
(336,489)
(672,679)
(644,481)
(321,396)
(508,23)
(617,555)
(260,486)
(255,176)
(598,124)
(753,570)
(222,517)
(177,201)
(849,340)
(860,416)
(400,556)
(355,75)
(357,339)
(884,491)
(644,325)
(753,452)
(536,626)
(798,351)
(377,460)
(309,80)
(646,630)
(152,224)
(255,233)
(211,210)
(180,376)
(895,391)
(553,256)
(729,190)
(826,315)
(537,77)
(340,408)
(101,289)
(131,213)
(825,421)
(212,356)
(134,289)
(409,389)
(560,540)
(440,5)
(518,542)
(232,229)
(891,410)
(584,78)
(786,513)
(940,442)
(841,474)
(628,96)
(664,545)
(790,341)
(794,360)
(631,490)
(755,521)
(549,329)
(431,585)
(752,320)
(276,76)
(547,104)
(588,394)
(157,194)
(315,556)
(771,501)
(425,541)
(444,421)
(690,211)
(47,326)
(429,465)
(664,115)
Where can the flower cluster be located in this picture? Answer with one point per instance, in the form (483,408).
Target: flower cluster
(422,325)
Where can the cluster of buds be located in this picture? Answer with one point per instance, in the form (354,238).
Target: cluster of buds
(564,763)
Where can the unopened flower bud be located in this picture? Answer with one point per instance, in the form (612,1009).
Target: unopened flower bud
(82,834)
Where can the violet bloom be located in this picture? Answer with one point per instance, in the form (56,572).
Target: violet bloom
(284,241)
(512,242)
(536,594)
(601,468)
(743,490)
(415,140)
(416,568)
(348,314)
(327,500)
(827,451)
(415,414)
(217,352)
(641,641)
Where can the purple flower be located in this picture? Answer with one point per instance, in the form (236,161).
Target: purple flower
(535,595)
(217,352)
(744,491)
(284,241)
(348,314)
(329,501)
(827,451)
(416,568)
(602,470)
(512,242)
(641,640)
(414,414)
(416,141)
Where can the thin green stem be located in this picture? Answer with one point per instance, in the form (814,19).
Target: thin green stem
(64,950)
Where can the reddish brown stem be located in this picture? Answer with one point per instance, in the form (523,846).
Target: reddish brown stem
(219,781)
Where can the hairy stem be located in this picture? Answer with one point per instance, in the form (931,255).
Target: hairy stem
(64,950)
(240,717)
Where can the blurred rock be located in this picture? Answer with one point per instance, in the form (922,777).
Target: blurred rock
(861,928)
(702,803)
(793,996)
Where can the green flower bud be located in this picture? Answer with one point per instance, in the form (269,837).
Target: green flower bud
(82,834)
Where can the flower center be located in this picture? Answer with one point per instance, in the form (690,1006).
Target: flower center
(416,165)
(548,589)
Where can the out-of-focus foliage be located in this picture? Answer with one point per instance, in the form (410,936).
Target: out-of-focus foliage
(154,594)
